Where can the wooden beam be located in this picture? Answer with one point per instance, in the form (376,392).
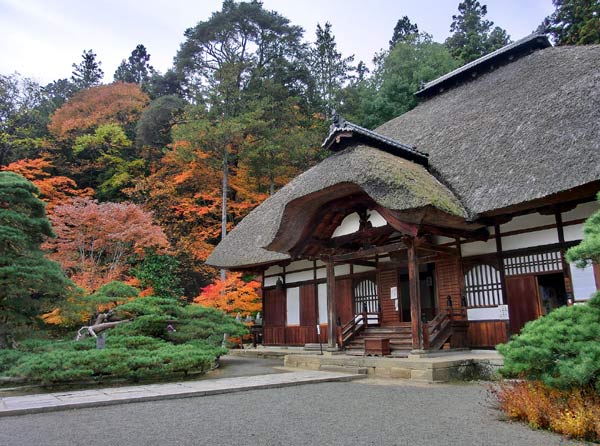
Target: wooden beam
(399,225)
(331,318)
(415,297)
(371,263)
(437,248)
(369,252)
(360,235)
(476,234)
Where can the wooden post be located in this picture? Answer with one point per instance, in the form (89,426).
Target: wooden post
(415,296)
(331,319)
(565,264)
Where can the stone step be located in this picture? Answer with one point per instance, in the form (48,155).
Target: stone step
(343,369)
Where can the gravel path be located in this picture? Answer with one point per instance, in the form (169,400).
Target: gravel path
(357,413)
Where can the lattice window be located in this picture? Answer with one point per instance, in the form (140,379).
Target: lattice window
(483,286)
(365,292)
(533,263)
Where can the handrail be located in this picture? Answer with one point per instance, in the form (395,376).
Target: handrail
(354,326)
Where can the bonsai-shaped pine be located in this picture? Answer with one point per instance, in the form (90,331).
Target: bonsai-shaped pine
(562,348)
(29,282)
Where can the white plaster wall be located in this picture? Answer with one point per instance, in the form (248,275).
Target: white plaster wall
(342,270)
(322,296)
(298,264)
(349,224)
(376,219)
(275,269)
(486,314)
(573,232)
(272,281)
(527,221)
(529,239)
(321,273)
(293,306)
(362,268)
(584,282)
(583,210)
(299,276)
(440,240)
(477,248)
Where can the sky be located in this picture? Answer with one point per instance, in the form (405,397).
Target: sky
(41,39)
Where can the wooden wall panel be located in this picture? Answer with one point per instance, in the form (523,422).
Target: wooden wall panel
(343,300)
(274,311)
(487,334)
(449,280)
(385,280)
(308,306)
(273,335)
(523,301)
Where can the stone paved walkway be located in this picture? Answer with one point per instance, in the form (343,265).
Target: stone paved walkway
(15,405)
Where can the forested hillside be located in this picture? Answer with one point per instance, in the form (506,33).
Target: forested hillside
(143,173)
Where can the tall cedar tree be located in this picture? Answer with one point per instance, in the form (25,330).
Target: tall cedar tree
(473,35)
(87,73)
(29,282)
(330,69)
(137,69)
(403,31)
(575,22)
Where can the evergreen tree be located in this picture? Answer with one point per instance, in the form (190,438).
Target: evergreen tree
(225,62)
(136,69)
(473,35)
(403,31)
(88,72)
(29,282)
(575,22)
(330,69)
(397,76)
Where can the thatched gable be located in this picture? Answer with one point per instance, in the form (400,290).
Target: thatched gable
(390,181)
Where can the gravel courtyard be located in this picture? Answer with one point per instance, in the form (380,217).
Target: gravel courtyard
(367,412)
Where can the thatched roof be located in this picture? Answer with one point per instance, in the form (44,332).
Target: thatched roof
(390,181)
(527,130)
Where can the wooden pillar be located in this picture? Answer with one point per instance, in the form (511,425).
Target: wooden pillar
(565,264)
(415,296)
(331,318)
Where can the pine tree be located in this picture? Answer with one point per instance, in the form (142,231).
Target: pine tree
(29,282)
(330,69)
(136,69)
(88,72)
(473,35)
(404,31)
(575,22)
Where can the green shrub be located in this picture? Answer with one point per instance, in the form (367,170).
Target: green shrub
(561,349)
(8,358)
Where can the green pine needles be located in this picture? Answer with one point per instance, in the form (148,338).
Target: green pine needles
(29,282)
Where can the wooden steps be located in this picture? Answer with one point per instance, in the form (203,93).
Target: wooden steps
(400,338)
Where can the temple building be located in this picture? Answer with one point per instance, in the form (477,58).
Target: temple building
(444,227)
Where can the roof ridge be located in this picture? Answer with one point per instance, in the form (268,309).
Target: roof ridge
(341,125)
(522,46)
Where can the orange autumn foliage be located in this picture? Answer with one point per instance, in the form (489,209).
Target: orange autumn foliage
(119,103)
(232,296)
(54,190)
(95,241)
(184,192)
(575,412)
